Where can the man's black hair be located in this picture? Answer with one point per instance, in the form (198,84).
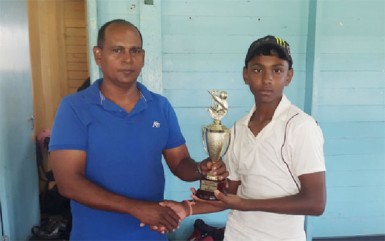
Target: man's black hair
(102,30)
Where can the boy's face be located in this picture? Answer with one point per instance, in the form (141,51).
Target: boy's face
(267,76)
(121,57)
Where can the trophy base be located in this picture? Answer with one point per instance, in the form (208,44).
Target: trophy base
(207,188)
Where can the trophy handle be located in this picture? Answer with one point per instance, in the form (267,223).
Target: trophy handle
(204,140)
(228,141)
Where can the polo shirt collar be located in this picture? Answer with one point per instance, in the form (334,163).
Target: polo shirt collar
(279,113)
(93,94)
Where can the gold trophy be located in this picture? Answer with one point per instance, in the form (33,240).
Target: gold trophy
(216,140)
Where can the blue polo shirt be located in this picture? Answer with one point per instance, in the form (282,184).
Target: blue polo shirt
(124,153)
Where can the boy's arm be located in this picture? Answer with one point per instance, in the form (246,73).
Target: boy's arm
(199,206)
(311,199)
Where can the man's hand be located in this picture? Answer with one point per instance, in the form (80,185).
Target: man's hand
(157,216)
(217,168)
(180,208)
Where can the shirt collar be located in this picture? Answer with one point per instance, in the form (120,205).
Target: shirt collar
(282,107)
(93,94)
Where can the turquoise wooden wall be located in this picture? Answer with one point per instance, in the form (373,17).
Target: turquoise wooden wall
(349,102)
(339,61)
(19,194)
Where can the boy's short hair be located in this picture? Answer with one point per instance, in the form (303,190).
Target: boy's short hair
(265,45)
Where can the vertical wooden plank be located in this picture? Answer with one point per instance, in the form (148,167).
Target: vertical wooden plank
(92,30)
(61,48)
(309,80)
(150,27)
(75,43)
(1,222)
(310,56)
(308,228)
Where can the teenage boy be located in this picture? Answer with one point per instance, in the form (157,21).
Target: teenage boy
(275,159)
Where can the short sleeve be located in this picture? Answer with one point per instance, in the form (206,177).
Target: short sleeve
(307,148)
(68,131)
(175,136)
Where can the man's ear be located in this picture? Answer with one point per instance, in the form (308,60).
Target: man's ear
(290,75)
(245,75)
(144,57)
(97,55)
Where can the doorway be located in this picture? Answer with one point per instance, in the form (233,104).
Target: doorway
(59,66)
(59,54)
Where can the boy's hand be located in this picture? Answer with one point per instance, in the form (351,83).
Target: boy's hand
(228,201)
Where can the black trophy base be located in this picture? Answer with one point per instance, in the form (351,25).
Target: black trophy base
(207,188)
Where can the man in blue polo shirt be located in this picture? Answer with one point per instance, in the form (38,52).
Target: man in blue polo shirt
(107,143)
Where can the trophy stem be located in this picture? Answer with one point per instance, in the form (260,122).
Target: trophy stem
(208,187)
(211,177)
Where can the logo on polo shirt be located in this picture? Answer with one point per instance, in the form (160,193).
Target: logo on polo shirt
(155,124)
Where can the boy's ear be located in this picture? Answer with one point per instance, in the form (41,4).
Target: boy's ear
(245,76)
(97,55)
(290,75)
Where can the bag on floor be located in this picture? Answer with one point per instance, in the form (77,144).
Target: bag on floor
(52,228)
(205,232)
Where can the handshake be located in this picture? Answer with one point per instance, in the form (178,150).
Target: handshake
(176,212)
(167,215)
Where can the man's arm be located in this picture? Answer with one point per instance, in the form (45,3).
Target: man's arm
(69,170)
(181,165)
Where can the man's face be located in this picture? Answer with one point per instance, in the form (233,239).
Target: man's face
(121,57)
(267,76)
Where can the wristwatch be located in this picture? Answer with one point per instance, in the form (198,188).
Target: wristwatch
(198,170)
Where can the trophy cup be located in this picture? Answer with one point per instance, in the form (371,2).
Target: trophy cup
(216,140)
